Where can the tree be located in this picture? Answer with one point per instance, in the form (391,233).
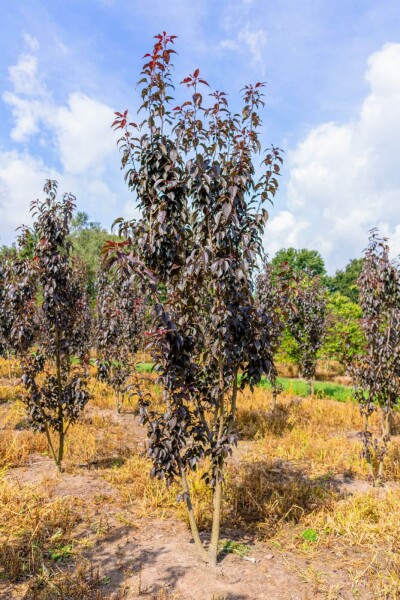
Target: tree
(272,299)
(3,313)
(50,320)
(307,322)
(119,329)
(376,374)
(300,261)
(88,239)
(199,236)
(345,281)
(344,338)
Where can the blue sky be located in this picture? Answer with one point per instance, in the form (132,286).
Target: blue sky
(333,104)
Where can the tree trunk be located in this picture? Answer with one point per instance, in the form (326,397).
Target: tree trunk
(387,422)
(61,451)
(217,496)
(213,549)
(368,457)
(9,365)
(192,519)
(60,407)
(274,399)
(119,402)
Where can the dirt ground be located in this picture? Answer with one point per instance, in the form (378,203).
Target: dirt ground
(151,556)
(148,558)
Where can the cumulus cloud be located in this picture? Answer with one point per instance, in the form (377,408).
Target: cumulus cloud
(83,133)
(76,133)
(344,178)
(21,180)
(80,129)
(252,41)
(284,226)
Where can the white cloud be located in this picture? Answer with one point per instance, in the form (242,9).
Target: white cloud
(284,231)
(250,40)
(25,78)
(80,129)
(31,42)
(345,178)
(21,180)
(27,115)
(83,133)
(77,133)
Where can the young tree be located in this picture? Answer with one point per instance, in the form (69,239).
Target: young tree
(199,237)
(272,299)
(50,320)
(3,311)
(377,373)
(119,331)
(307,322)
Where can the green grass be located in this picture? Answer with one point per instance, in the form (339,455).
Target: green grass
(323,389)
(143,367)
(297,387)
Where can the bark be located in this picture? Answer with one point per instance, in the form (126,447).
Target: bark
(192,519)
(60,407)
(217,495)
(274,399)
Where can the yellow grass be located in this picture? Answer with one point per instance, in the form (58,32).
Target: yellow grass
(279,483)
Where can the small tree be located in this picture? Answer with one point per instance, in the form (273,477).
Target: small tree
(272,299)
(119,329)
(376,374)
(3,311)
(50,317)
(198,238)
(307,322)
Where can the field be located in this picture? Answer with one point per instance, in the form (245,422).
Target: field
(300,520)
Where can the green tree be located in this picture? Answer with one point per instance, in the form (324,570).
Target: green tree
(88,239)
(300,261)
(344,338)
(345,280)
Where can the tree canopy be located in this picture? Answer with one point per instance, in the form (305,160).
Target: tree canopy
(301,260)
(345,280)
(88,238)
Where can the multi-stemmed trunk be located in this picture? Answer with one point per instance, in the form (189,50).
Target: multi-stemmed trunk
(210,555)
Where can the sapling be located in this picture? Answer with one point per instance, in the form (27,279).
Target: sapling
(119,331)
(272,294)
(307,322)
(195,248)
(50,317)
(376,373)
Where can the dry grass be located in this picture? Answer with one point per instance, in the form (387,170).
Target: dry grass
(151,496)
(318,436)
(32,527)
(82,582)
(364,528)
(278,485)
